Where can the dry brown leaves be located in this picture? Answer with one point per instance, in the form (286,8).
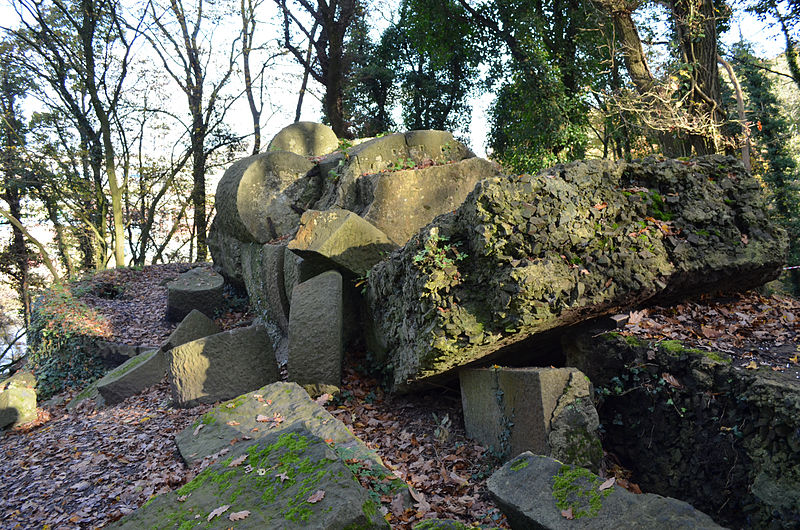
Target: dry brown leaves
(421,438)
(752,328)
(134,302)
(85,468)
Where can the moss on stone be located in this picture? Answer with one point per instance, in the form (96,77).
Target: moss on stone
(522,463)
(714,356)
(577,487)
(630,340)
(672,346)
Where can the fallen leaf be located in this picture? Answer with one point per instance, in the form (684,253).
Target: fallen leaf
(262,418)
(183,498)
(600,206)
(416,495)
(283,476)
(752,365)
(219,511)
(567,514)
(233,423)
(324,398)
(607,484)
(669,378)
(197,429)
(238,460)
(397,505)
(461,481)
(711,333)
(238,516)
(316,497)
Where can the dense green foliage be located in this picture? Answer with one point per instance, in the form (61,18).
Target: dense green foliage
(62,336)
(772,157)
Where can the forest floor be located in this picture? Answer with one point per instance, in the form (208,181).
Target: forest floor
(87,467)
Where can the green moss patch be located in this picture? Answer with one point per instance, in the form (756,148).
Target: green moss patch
(577,488)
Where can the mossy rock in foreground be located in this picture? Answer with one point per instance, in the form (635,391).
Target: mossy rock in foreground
(278,482)
(532,491)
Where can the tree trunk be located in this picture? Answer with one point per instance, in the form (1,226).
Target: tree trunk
(737,91)
(695,26)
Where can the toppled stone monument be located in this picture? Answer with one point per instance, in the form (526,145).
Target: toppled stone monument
(548,411)
(298,210)
(535,491)
(524,255)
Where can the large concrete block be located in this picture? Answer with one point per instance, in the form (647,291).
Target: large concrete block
(533,491)
(221,366)
(316,344)
(547,411)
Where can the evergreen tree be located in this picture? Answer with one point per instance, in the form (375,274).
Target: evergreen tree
(775,163)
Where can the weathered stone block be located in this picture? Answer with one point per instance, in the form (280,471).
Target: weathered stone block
(133,376)
(18,399)
(221,366)
(229,422)
(532,491)
(402,202)
(226,251)
(255,196)
(194,326)
(548,411)
(305,138)
(199,288)
(526,255)
(299,465)
(262,267)
(676,415)
(342,238)
(316,343)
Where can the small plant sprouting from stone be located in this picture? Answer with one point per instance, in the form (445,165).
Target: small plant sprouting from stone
(362,282)
(402,163)
(442,430)
(438,251)
(344,146)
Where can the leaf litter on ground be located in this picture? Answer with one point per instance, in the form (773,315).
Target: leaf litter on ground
(86,468)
